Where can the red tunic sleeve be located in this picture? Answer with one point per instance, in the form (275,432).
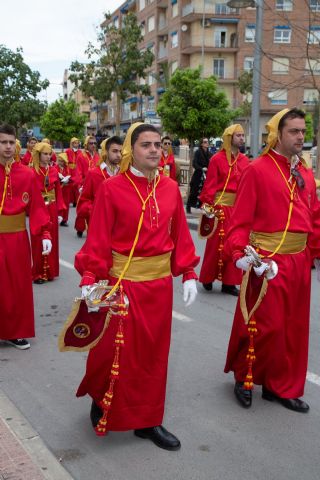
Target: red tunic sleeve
(210,185)
(39,220)
(85,202)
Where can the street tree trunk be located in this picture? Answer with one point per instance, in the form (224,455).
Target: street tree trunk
(118,113)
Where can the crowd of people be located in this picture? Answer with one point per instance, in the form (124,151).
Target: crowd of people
(261,222)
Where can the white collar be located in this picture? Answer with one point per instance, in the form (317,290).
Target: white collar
(137,173)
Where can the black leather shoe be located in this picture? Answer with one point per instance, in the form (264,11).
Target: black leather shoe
(160,437)
(63,223)
(79,234)
(294,404)
(230,289)
(207,286)
(39,281)
(243,396)
(95,414)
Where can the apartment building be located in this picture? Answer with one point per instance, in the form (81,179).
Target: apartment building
(189,33)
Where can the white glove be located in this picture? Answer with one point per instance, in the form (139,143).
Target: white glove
(317,265)
(244,262)
(65,179)
(80,189)
(84,292)
(60,219)
(60,176)
(46,246)
(189,292)
(260,270)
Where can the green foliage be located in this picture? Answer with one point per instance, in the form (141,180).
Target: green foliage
(192,107)
(309,128)
(245,82)
(19,86)
(62,121)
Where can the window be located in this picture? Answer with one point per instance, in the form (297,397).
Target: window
(174,39)
(223,9)
(280,65)
(116,22)
(218,67)
(143,28)
(314,35)
(151,78)
(278,97)
(250,33)
(284,5)
(313,65)
(151,103)
(282,34)
(220,37)
(175,9)
(310,96)
(174,66)
(315,5)
(142,4)
(151,23)
(248,64)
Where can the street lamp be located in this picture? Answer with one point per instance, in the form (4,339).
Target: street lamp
(256,79)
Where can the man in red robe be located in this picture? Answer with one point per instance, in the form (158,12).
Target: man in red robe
(107,167)
(277,212)
(26,159)
(18,195)
(72,153)
(167,164)
(87,159)
(138,215)
(217,198)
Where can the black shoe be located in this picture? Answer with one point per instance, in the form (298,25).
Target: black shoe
(188,209)
(230,289)
(294,404)
(79,234)
(160,437)
(207,286)
(63,223)
(243,396)
(39,281)
(95,414)
(20,343)
(74,204)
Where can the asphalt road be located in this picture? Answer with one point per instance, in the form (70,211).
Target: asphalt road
(220,440)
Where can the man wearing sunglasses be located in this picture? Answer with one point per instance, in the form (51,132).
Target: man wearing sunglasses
(167,164)
(87,159)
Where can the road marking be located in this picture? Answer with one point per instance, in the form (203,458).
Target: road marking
(181,317)
(313,378)
(66,264)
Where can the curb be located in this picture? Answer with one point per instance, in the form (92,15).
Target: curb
(23,435)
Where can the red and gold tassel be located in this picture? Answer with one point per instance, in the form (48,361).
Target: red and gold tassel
(252,330)
(220,248)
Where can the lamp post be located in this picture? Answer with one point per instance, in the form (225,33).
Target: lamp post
(256,79)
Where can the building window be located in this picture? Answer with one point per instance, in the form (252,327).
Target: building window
(282,35)
(116,22)
(250,33)
(143,28)
(220,37)
(151,103)
(142,4)
(175,9)
(218,67)
(248,64)
(278,97)
(174,66)
(151,78)
(314,35)
(315,5)
(174,39)
(223,9)
(280,66)
(284,5)
(313,65)
(151,23)
(310,96)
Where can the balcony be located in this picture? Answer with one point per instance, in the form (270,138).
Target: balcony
(188,46)
(191,12)
(163,53)
(162,25)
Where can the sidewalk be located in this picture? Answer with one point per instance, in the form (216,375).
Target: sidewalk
(23,455)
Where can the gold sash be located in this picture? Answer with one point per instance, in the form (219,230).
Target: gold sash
(49,197)
(294,242)
(141,269)
(227,199)
(13,223)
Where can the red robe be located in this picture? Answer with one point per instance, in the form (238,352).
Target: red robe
(167,166)
(281,344)
(72,165)
(84,163)
(216,178)
(16,298)
(26,159)
(54,209)
(139,393)
(91,185)
(66,189)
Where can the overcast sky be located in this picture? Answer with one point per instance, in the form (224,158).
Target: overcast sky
(52,33)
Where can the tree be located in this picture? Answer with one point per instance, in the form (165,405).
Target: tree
(193,107)
(63,121)
(19,86)
(119,66)
(245,88)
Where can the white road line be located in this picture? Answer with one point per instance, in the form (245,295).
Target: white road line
(311,377)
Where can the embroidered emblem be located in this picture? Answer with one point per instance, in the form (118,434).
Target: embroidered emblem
(81,330)
(25,197)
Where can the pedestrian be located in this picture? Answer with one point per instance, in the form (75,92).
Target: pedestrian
(200,164)
(107,167)
(66,182)
(72,153)
(167,164)
(278,214)
(26,159)
(137,221)
(217,199)
(46,268)
(87,159)
(18,194)
(53,157)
